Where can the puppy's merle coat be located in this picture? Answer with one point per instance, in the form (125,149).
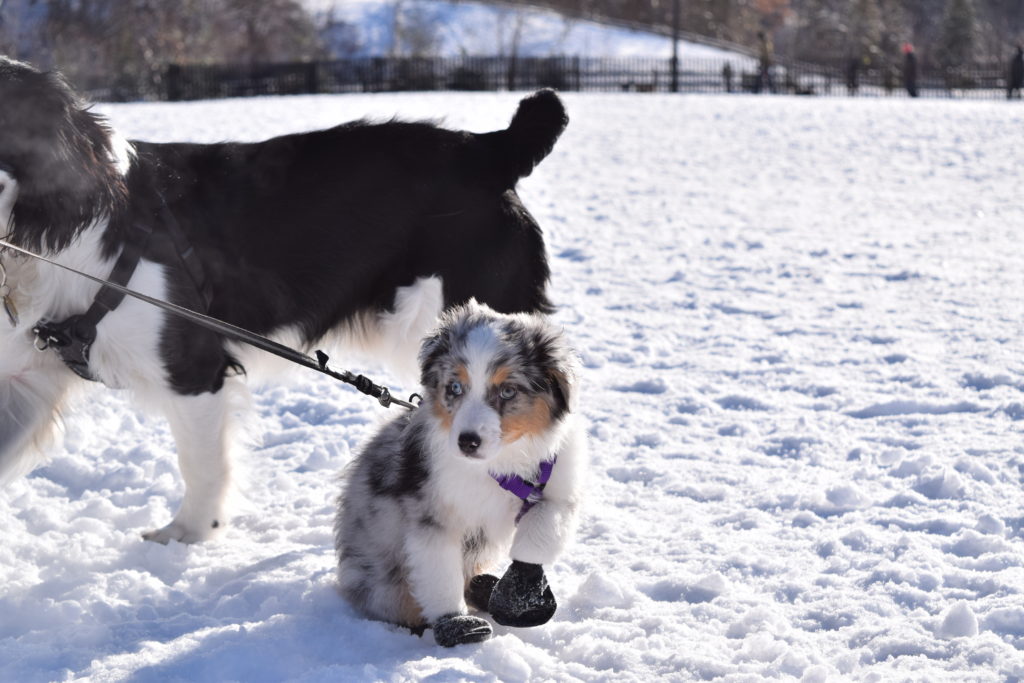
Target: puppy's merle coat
(361,233)
(422,512)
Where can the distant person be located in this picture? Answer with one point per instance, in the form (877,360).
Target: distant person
(727,76)
(910,69)
(1016,80)
(765,58)
(852,75)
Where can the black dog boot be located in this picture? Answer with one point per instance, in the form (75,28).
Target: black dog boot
(460,629)
(478,592)
(522,597)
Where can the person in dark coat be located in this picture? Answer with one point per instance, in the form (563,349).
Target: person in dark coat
(852,75)
(765,59)
(910,69)
(1016,80)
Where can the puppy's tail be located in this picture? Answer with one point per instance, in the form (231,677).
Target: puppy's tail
(536,126)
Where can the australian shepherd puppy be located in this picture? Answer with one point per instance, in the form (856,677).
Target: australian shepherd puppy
(488,466)
(359,234)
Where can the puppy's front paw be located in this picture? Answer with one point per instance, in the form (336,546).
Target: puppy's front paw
(460,629)
(478,592)
(522,597)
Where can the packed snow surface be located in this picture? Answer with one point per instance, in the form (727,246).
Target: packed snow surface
(801,328)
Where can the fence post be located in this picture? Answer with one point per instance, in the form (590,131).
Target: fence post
(511,72)
(312,82)
(675,46)
(173,93)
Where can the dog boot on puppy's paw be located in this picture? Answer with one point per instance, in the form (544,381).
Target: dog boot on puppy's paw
(478,592)
(522,597)
(460,629)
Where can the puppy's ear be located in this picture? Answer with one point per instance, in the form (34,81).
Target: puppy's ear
(562,372)
(432,350)
(451,331)
(563,388)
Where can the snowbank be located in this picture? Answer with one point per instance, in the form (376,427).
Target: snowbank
(471,28)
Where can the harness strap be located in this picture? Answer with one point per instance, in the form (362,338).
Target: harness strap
(529,492)
(187,255)
(73,337)
(107,299)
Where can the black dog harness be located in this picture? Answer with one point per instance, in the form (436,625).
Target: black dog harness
(72,338)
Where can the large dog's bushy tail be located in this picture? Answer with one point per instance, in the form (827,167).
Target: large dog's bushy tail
(536,126)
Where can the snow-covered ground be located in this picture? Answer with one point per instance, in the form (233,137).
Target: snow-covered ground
(801,323)
(477,28)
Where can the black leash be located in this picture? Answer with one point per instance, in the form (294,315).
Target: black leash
(360,382)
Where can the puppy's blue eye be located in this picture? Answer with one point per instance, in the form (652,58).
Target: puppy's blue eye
(455,389)
(507,393)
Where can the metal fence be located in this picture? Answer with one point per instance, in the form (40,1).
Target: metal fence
(382,74)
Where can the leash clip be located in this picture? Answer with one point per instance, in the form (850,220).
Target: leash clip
(71,339)
(47,338)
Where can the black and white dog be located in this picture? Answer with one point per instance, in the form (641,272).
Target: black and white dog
(489,466)
(359,234)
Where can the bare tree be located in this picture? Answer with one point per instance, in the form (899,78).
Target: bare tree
(866,32)
(957,41)
(341,38)
(415,30)
(509,27)
(421,31)
(136,39)
(272,30)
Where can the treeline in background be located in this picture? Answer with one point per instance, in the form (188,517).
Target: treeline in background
(945,33)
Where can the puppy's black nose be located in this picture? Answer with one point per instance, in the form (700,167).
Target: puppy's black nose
(469,442)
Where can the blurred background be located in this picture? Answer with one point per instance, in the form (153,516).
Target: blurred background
(186,49)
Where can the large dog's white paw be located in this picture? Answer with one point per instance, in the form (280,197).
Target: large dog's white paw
(178,531)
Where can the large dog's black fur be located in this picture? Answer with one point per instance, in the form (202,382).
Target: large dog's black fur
(304,230)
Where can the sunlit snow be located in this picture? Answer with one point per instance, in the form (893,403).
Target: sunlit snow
(800,322)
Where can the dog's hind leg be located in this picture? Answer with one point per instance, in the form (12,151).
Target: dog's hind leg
(200,425)
(28,415)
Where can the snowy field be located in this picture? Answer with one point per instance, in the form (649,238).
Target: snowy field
(801,324)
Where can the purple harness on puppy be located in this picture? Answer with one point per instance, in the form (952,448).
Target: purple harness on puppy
(529,492)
